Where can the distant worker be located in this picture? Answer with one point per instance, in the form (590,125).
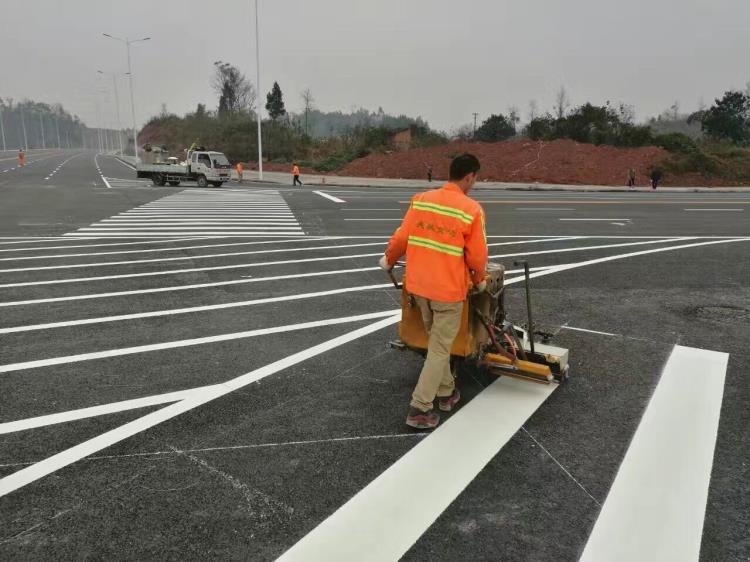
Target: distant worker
(21,158)
(656,175)
(429,173)
(631,177)
(295,175)
(240,169)
(443,237)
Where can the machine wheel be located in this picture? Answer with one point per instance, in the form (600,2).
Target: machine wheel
(202,181)
(174,183)
(158,179)
(217,183)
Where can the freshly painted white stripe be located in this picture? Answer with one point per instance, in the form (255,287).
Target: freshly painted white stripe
(566,327)
(657,502)
(609,220)
(226,234)
(125,164)
(713,209)
(101,410)
(188,310)
(196,222)
(199,257)
(537,241)
(387,220)
(347,210)
(116,228)
(151,250)
(67,457)
(544,209)
(98,169)
(199,286)
(329,196)
(176,271)
(584,248)
(375,524)
(65,360)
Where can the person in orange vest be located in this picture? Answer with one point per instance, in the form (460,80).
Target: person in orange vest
(240,169)
(21,158)
(443,237)
(295,175)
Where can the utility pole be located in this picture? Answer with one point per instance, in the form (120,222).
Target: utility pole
(57,128)
(23,126)
(474,132)
(257,81)
(2,128)
(41,128)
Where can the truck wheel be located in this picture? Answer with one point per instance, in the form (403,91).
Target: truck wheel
(217,183)
(158,179)
(202,181)
(174,183)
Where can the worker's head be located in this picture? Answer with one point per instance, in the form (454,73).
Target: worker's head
(464,170)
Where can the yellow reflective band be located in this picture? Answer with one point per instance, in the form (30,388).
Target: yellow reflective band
(443,210)
(437,246)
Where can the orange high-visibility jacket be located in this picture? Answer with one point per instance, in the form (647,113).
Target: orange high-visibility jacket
(445,243)
(295,171)
(240,167)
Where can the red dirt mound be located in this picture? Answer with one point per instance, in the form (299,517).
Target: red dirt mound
(525,161)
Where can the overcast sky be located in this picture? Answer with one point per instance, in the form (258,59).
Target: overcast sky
(439,59)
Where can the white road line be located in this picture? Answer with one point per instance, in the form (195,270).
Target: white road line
(566,327)
(197,286)
(657,502)
(67,457)
(584,248)
(177,271)
(387,220)
(347,210)
(376,524)
(151,250)
(183,258)
(66,246)
(65,360)
(544,209)
(210,233)
(608,220)
(125,164)
(98,169)
(188,310)
(713,209)
(101,410)
(329,196)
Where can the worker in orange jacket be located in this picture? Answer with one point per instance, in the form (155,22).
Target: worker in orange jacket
(295,175)
(21,158)
(240,170)
(443,237)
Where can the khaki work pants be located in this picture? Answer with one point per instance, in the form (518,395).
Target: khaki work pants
(442,321)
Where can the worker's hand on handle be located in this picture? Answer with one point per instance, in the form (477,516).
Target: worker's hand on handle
(383,263)
(481,287)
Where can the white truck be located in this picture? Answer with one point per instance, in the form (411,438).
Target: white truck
(206,167)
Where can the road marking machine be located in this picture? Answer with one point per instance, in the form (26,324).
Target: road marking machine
(486,337)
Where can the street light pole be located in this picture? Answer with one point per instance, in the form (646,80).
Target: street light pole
(257,81)
(128,42)
(23,126)
(41,128)
(2,129)
(117,109)
(57,128)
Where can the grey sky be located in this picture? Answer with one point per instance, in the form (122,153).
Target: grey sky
(439,59)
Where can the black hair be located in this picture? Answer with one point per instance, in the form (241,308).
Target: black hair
(463,165)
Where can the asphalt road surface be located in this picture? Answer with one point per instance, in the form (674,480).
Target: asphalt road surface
(192,374)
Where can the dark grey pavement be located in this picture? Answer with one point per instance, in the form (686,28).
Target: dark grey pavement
(245,476)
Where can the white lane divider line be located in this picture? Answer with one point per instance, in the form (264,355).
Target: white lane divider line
(386,220)
(657,502)
(329,196)
(98,169)
(66,360)
(573,328)
(607,220)
(376,524)
(67,457)
(545,209)
(736,210)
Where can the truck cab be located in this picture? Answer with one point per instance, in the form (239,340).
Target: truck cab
(209,167)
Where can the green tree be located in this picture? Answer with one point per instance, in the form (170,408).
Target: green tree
(275,102)
(236,94)
(729,118)
(496,128)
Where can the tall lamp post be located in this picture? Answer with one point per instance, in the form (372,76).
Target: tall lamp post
(117,108)
(257,81)
(127,43)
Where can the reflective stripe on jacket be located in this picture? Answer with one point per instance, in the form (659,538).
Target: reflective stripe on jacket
(443,237)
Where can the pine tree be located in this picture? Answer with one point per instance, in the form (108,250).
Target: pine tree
(275,102)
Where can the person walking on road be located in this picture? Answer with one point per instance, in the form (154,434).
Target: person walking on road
(656,175)
(631,178)
(295,175)
(443,237)
(240,170)
(429,172)
(21,158)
